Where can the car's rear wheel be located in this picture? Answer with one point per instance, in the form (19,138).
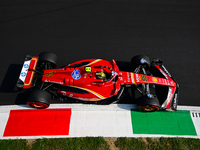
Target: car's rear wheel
(48,59)
(148,104)
(39,99)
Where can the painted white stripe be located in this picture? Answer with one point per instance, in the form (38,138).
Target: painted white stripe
(96,120)
(195,115)
(188,108)
(3,121)
(93,62)
(100,123)
(89,107)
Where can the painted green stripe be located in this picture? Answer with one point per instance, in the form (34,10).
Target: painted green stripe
(161,122)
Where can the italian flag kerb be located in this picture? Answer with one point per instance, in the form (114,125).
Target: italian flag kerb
(116,123)
(163,123)
(34,122)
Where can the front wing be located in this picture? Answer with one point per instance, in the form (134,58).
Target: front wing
(171,101)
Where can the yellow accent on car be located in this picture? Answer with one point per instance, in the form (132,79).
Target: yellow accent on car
(97,60)
(97,94)
(132,76)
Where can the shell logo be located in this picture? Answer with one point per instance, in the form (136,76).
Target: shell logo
(154,79)
(49,74)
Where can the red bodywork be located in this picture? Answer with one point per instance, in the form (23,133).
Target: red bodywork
(74,75)
(77,77)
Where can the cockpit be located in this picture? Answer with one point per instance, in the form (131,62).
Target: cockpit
(100,72)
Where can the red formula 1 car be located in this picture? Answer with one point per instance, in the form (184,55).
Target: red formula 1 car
(95,80)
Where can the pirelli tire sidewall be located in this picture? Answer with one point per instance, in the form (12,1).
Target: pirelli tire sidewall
(39,97)
(136,61)
(48,57)
(145,101)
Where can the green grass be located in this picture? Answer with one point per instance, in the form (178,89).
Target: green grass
(95,143)
(158,143)
(13,144)
(88,143)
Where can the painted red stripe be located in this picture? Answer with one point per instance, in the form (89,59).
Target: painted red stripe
(38,122)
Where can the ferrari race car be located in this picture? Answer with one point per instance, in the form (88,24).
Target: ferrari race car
(95,80)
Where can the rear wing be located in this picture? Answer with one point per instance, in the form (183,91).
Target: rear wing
(27,73)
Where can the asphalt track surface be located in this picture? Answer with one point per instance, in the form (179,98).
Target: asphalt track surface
(107,29)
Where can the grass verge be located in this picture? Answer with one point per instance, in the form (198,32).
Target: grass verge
(98,143)
(87,143)
(158,143)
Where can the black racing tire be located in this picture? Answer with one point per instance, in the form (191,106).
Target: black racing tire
(49,58)
(140,60)
(148,104)
(39,99)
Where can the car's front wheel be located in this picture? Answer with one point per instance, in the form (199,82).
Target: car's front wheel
(140,60)
(148,103)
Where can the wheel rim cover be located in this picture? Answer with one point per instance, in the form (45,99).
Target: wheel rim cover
(37,105)
(149,108)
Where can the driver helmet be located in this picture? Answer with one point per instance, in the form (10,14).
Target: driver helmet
(88,69)
(100,75)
